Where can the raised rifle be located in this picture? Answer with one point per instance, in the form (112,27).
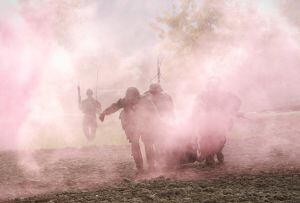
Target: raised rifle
(158,70)
(79,95)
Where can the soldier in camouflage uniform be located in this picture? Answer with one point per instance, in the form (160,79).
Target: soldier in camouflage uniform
(164,130)
(136,119)
(90,107)
(214,113)
(162,101)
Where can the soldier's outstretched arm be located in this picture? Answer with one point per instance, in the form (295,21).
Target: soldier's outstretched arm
(111,109)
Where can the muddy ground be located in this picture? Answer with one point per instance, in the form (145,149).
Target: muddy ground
(257,169)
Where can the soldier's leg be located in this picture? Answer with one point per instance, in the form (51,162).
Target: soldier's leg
(220,157)
(93,132)
(149,149)
(200,156)
(209,160)
(137,155)
(191,152)
(160,154)
(85,128)
(93,128)
(89,135)
(191,157)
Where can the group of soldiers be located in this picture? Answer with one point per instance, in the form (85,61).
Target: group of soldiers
(150,118)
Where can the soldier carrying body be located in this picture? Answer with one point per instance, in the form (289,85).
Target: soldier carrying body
(164,105)
(90,107)
(162,101)
(138,122)
(214,113)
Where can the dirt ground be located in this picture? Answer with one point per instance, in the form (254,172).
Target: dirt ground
(256,169)
(269,187)
(107,174)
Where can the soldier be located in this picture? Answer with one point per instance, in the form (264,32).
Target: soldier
(164,105)
(162,101)
(214,113)
(137,121)
(90,107)
(182,151)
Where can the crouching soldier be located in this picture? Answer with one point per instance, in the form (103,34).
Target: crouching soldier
(214,113)
(136,121)
(90,107)
(182,150)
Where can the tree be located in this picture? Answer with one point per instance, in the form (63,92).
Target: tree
(193,24)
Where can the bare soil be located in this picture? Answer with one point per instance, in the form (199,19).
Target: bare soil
(94,174)
(262,168)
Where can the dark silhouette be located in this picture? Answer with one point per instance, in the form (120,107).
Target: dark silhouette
(137,119)
(90,107)
(214,113)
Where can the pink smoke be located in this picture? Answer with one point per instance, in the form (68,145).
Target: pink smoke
(24,49)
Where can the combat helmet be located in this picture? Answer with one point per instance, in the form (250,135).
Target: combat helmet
(132,95)
(89,92)
(155,88)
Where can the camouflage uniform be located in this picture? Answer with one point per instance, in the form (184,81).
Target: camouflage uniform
(90,107)
(136,121)
(147,120)
(164,105)
(162,101)
(184,151)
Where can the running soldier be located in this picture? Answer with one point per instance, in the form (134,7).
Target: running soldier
(90,107)
(138,120)
(214,113)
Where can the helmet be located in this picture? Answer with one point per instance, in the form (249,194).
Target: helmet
(132,95)
(155,88)
(89,92)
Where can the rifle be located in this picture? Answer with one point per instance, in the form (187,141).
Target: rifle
(79,96)
(158,70)
(97,84)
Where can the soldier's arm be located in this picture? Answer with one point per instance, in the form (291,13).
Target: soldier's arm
(112,109)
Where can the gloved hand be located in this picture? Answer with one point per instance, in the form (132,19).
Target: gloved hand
(101,117)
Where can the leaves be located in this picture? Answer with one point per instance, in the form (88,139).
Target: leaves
(190,23)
